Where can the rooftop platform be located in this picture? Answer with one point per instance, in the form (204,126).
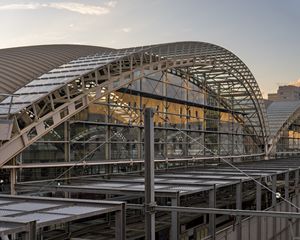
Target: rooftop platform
(174,183)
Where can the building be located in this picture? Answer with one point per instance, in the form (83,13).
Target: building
(71,111)
(285,93)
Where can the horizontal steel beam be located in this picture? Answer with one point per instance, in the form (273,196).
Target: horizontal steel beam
(232,212)
(98,163)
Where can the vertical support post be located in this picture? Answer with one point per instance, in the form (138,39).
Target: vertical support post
(297,197)
(239,206)
(10,105)
(149,174)
(67,152)
(121,223)
(287,206)
(258,208)
(174,231)
(31,234)
(212,217)
(13,178)
(274,189)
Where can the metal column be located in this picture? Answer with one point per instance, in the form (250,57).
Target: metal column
(297,198)
(31,234)
(212,216)
(121,223)
(274,189)
(287,206)
(13,178)
(239,206)
(258,207)
(174,231)
(149,174)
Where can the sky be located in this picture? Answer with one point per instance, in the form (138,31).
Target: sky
(264,34)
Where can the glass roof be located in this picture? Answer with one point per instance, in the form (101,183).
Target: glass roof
(56,78)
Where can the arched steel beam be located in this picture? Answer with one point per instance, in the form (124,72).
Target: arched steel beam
(62,103)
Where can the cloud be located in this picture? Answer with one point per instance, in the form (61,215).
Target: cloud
(81,8)
(126,29)
(69,6)
(26,6)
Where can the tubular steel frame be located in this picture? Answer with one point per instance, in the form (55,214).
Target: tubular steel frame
(217,69)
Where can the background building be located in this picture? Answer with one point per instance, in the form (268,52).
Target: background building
(285,93)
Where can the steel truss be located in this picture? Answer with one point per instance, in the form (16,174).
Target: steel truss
(217,69)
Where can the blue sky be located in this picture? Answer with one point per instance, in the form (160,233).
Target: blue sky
(263,33)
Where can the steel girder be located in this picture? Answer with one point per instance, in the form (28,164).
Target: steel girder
(222,72)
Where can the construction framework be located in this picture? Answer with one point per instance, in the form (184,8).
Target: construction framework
(206,192)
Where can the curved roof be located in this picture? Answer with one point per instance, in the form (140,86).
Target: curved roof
(19,66)
(210,67)
(279,112)
(280,116)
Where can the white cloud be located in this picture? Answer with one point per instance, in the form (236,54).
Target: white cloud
(126,29)
(69,6)
(81,8)
(26,6)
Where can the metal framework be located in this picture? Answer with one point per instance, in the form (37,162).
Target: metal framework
(29,214)
(184,188)
(54,97)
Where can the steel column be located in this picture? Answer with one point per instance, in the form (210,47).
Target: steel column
(212,216)
(13,178)
(274,189)
(31,234)
(287,206)
(174,231)
(121,223)
(297,198)
(258,208)
(149,174)
(239,195)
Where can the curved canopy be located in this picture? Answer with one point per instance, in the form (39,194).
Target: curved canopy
(54,96)
(19,66)
(281,115)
